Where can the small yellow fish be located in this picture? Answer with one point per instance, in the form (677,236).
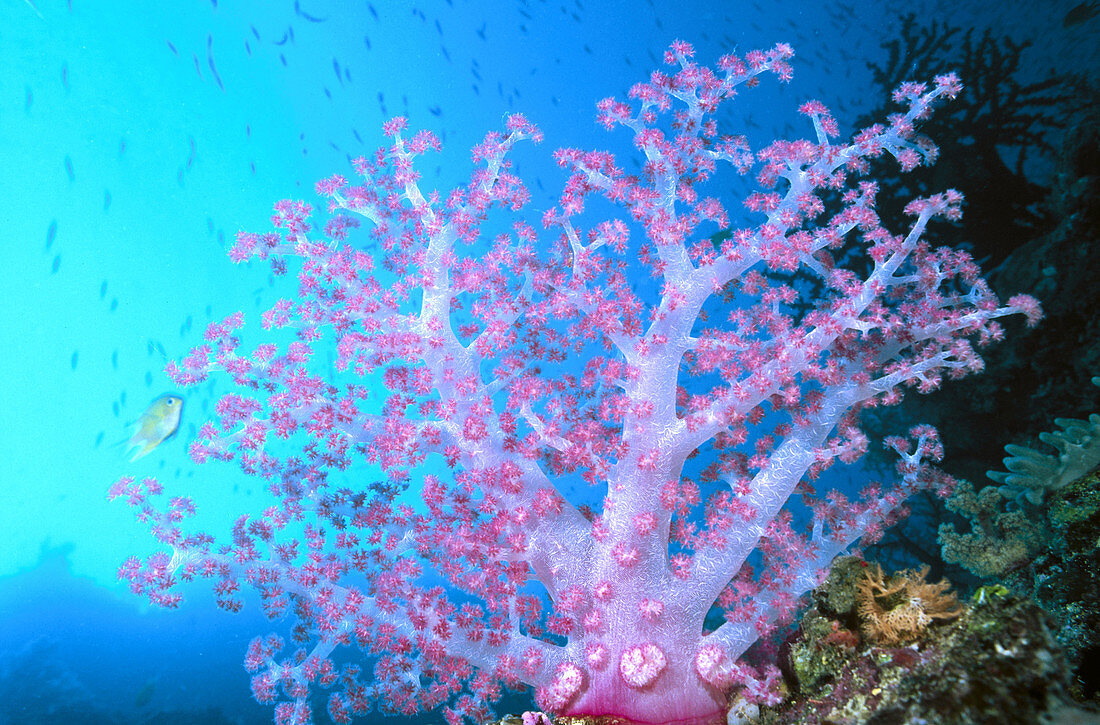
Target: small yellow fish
(157,424)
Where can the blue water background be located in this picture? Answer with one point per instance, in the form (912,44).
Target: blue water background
(137,138)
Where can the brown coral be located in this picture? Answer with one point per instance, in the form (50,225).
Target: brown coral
(896,610)
(998,540)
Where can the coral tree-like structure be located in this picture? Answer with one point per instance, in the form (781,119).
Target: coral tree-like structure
(517,365)
(1004,123)
(1024,148)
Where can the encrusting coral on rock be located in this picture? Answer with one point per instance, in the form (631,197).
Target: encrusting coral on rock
(998,540)
(994,660)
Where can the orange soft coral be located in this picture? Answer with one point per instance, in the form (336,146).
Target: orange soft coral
(898,609)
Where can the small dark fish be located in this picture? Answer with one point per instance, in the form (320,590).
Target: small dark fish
(114,360)
(198,68)
(99,438)
(328,93)
(56,264)
(306,16)
(1080,14)
(69,170)
(336,69)
(248,49)
(114,408)
(103,289)
(214,3)
(255,33)
(106,200)
(121,147)
(370,7)
(114,304)
(172,48)
(357,136)
(435,111)
(210,61)
(73,360)
(366,42)
(51,234)
(145,694)
(148,379)
(65,75)
(29,100)
(282,40)
(252,165)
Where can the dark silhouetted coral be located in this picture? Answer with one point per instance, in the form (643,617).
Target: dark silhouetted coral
(998,117)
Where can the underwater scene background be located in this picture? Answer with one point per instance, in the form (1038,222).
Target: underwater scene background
(137,139)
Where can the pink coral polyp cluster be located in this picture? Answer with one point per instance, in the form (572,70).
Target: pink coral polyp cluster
(647,341)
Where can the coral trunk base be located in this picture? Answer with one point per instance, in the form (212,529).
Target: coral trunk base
(716,718)
(675,701)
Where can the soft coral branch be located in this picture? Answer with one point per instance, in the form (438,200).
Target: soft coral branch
(490,375)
